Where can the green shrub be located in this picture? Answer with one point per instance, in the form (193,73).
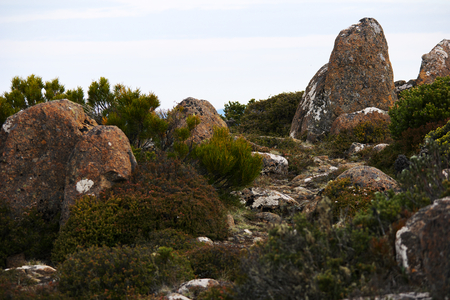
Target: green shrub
(161,194)
(348,199)
(171,238)
(272,116)
(229,162)
(221,292)
(30,234)
(385,159)
(118,272)
(234,111)
(215,261)
(421,105)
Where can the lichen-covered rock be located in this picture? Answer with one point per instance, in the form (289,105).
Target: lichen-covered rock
(264,199)
(355,148)
(365,176)
(101,158)
(275,164)
(423,246)
(402,85)
(380,147)
(197,284)
(358,75)
(35,147)
(209,118)
(436,63)
(350,120)
(38,274)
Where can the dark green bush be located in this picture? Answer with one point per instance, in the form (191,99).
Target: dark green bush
(272,116)
(30,234)
(161,194)
(234,111)
(171,238)
(215,261)
(421,105)
(229,162)
(121,272)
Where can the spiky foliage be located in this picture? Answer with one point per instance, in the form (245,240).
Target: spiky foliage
(229,162)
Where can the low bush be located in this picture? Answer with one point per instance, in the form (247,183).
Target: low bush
(121,272)
(347,199)
(215,261)
(30,234)
(421,105)
(161,194)
(272,116)
(229,162)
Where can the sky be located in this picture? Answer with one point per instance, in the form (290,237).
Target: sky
(216,50)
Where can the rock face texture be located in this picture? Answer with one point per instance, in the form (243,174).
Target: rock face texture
(435,64)
(349,121)
(365,176)
(272,163)
(35,146)
(102,157)
(358,75)
(423,248)
(208,116)
(53,152)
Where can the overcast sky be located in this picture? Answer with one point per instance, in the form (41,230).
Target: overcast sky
(217,50)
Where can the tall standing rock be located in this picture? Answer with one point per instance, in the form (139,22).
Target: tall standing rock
(209,118)
(436,63)
(102,157)
(358,75)
(35,146)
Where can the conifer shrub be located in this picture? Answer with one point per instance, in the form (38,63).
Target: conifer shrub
(272,116)
(215,261)
(160,194)
(172,238)
(121,272)
(229,162)
(421,105)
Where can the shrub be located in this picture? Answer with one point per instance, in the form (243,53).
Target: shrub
(347,199)
(421,105)
(385,159)
(171,238)
(30,234)
(234,111)
(272,116)
(229,162)
(161,194)
(215,261)
(118,272)
(306,262)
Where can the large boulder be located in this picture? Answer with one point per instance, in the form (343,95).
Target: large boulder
(435,64)
(423,246)
(350,120)
(209,118)
(365,176)
(102,157)
(36,144)
(358,75)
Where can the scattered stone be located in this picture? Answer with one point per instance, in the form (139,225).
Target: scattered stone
(355,148)
(206,240)
(209,118)
(349,121)
(272,163)
(102,157)
(264,199)
(36,145)
(435,64)
(358,75)
(402,85)
(365,176)
(38,274)
(176,296)
(380,147)
(197,284)
(423,249)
